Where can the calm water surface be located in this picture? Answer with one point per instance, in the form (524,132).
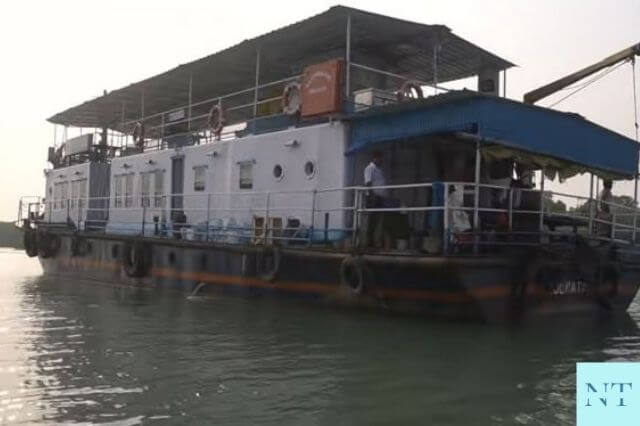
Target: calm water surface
(74,352)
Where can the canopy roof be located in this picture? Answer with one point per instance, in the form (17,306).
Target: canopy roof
(394,45)
(541,132)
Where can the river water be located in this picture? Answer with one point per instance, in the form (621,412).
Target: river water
(76,352)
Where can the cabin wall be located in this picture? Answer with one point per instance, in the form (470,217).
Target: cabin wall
(68,190)
(229,204)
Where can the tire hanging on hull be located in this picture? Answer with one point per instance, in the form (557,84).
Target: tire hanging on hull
(48,245)
(30,242)
(268,263)
(136,259)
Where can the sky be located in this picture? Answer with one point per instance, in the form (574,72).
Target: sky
(58,54)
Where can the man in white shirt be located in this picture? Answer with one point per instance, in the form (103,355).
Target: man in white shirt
(374,177)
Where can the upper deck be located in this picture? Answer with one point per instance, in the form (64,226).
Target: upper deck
(248,81)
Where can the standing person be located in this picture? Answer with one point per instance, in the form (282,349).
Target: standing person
(374,177)
(604,210)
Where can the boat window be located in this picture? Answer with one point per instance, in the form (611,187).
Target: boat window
(119,190)
(82,192)
(158,188)
(278,172)
(145,188)
(64,194)
(309,169)
(128,201)
(199,178)
(56,195)
(74,193)
(246,175)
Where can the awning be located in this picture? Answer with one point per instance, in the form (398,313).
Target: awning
(394,45)
(541,131)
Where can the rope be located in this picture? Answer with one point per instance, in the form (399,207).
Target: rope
(587,84)
(635,96)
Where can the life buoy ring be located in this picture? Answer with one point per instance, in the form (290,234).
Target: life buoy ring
(410,89)
(48,245)
(30,242)
(138,135)
(291,99)
(136,259)
(353,274)
(216,120)
(268,263)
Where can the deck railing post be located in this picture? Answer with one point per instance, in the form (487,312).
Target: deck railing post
(313,215)
(68,211)
(591,205)
(510,209)
(355,225)
(144,216)
(541,219)
(445,222)
(613,225)
(266,217)
(208,215)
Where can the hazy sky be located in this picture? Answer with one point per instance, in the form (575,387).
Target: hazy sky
(56,54)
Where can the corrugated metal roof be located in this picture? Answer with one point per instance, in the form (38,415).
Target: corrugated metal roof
(564,136)
(395,45)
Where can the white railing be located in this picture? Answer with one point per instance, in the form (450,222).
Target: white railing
(242,109)
(483,214)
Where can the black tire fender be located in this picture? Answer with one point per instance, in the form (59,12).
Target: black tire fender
(353,274)
(30,242)
(136,259)
(268,263)
(48,245)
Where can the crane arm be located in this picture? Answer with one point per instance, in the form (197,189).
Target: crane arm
(548,89)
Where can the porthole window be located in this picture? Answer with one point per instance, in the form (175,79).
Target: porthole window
(278,172)
(309,169)
(115,251)
(172,258)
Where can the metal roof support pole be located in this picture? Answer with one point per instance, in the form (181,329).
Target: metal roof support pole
(347,84)
(190,97)
(476,197)
(635,208)
(122,132)
(55,130)
(591,204)
(541,224)
(257,81)
(504,83)
(142,106)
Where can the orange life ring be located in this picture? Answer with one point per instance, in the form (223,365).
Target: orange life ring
(290,93)
(410,89)
(138,134)
(216,120)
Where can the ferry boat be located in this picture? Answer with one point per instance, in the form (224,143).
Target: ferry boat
(244,172)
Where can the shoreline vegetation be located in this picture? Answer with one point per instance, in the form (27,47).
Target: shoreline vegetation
(10,236)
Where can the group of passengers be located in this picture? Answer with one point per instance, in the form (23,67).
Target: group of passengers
(499,173)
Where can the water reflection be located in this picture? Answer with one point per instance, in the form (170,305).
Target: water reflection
(81,353)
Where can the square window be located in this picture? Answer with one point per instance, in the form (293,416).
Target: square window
(199,178)
(246,175)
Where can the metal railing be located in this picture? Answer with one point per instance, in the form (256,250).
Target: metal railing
(482,215)
(243,108)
